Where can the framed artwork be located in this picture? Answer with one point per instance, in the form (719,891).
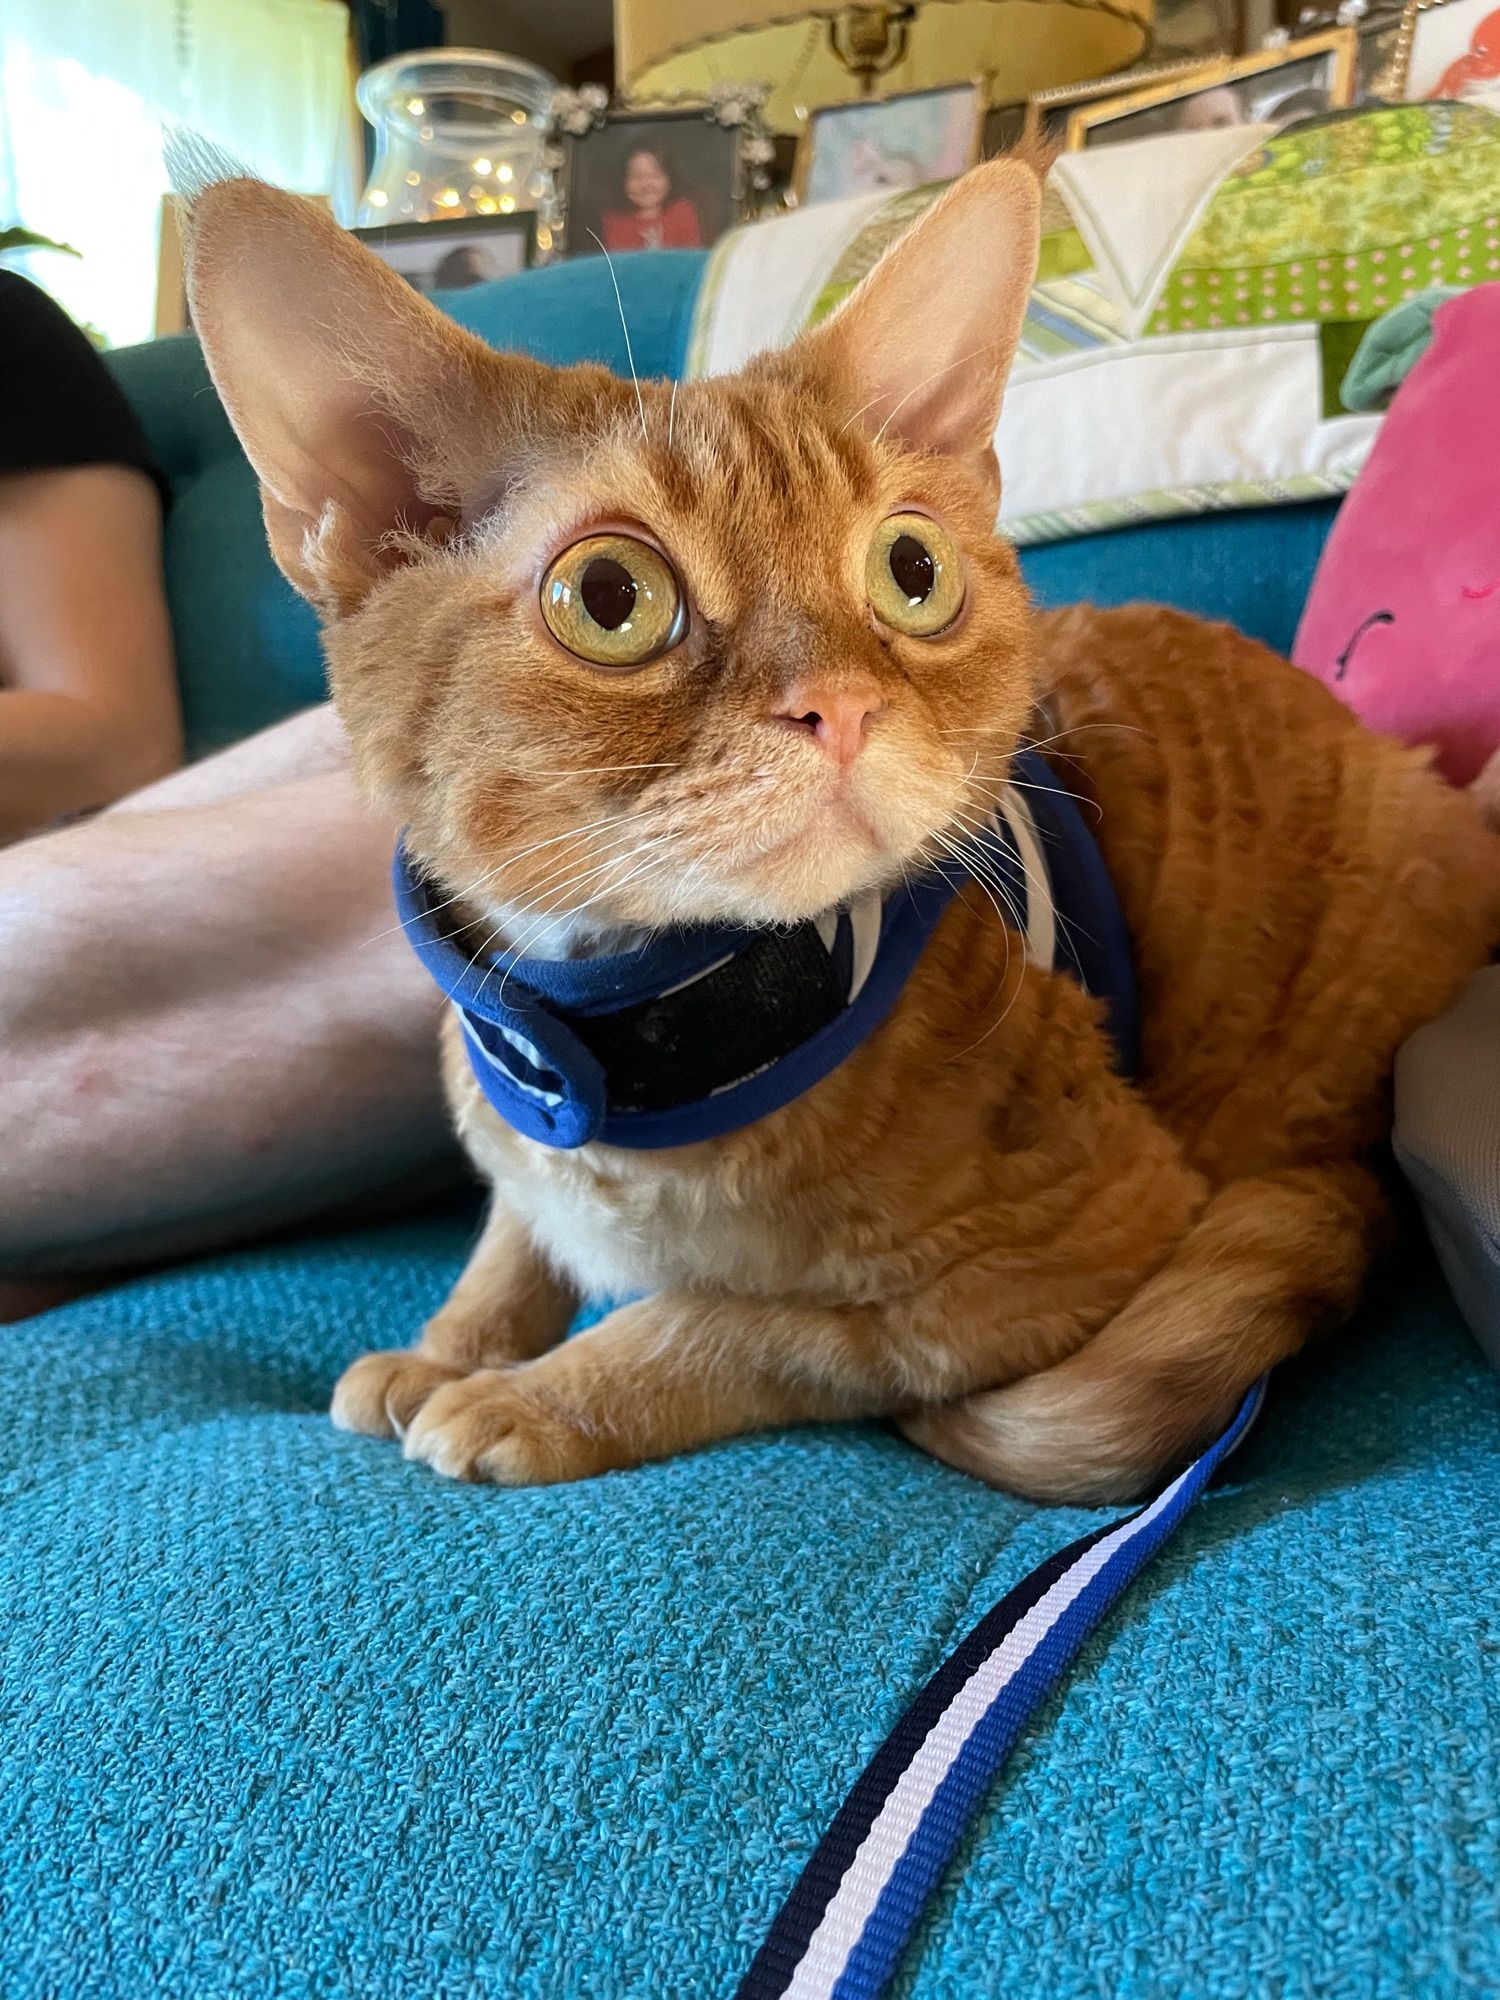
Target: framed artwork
(652,180)
(1048,111)
(459,251)
(431,256)
(1305,79)
(1448,48)
(889,143)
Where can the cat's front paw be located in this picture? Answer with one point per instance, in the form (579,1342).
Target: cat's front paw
(379,1394)
(493,1426)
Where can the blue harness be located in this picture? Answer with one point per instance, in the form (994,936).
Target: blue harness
(709,1028)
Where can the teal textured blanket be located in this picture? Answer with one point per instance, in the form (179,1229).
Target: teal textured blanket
(283,1715)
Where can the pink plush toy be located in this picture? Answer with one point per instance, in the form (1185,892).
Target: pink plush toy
(1403,622)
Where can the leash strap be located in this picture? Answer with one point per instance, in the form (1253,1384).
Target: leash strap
(842,1930)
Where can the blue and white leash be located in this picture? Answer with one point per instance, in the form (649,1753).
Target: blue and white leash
(842,1930)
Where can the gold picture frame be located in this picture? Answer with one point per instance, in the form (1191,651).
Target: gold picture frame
(1341,45)
(170,313)
(1044,106)
(806,156)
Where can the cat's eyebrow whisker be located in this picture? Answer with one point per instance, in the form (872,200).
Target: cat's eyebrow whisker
(629,351)
(672,411)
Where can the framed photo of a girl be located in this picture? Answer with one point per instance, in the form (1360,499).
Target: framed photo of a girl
(654,181)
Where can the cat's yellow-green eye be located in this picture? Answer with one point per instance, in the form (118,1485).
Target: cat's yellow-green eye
(613,601)
(914,576)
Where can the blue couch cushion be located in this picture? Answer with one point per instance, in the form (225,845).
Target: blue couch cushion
(283,1715)
(247,646)
(1253,568)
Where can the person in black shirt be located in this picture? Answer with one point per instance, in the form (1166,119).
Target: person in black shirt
(89,707)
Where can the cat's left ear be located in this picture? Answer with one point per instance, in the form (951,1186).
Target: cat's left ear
(922,349)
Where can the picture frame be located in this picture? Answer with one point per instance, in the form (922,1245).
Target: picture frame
(1305,78)
(889,143)
(170,314)
(1436,55)
(456,252)
(1048,111)
(646,178)
(415,249)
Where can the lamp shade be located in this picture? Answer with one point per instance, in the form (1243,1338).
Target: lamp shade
(668,49)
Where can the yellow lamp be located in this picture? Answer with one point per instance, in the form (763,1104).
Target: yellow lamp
(810,55)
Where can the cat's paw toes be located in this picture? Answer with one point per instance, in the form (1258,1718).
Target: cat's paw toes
(379,1394)
(490,1426)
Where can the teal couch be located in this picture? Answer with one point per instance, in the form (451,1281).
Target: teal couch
(283,1715)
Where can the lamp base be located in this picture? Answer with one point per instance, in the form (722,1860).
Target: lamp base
(869,41)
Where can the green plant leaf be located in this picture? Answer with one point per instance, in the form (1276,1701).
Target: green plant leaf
(17,238)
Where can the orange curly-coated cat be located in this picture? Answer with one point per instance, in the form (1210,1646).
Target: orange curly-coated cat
(1055,1278)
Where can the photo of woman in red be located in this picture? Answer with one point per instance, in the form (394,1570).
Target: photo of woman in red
(654,216)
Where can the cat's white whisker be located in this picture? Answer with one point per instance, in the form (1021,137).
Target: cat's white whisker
(640,402)
(1069,929)
(960,854)
(509,861)
(1003,778)
(557,916)
(672,413)
(557,881)
(597,770)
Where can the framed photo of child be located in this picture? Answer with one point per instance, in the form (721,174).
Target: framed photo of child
(889,143)
(651,180)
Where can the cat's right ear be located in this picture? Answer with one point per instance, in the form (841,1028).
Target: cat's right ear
(346,388)
(919,353)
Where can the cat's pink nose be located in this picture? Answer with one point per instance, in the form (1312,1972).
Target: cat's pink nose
(838,715)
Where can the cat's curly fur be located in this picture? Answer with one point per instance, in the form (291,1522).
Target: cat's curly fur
(1054,1278)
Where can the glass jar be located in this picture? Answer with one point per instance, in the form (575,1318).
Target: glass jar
(457,132)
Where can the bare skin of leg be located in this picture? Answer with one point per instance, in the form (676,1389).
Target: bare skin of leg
(212,1025)
(88,691)
(508,1306)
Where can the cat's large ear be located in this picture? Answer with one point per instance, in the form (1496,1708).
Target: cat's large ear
(922,348)
(349,392)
